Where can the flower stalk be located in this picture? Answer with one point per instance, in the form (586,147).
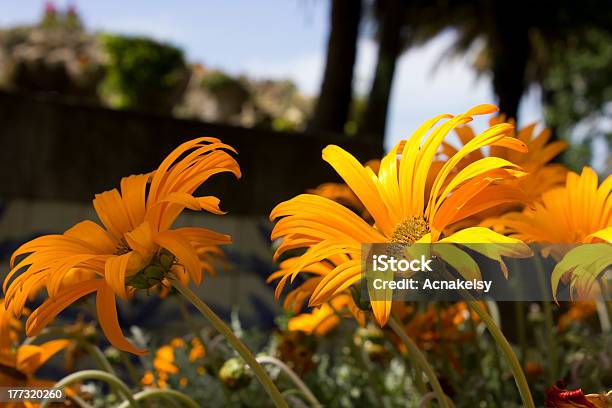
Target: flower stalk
(294,377)
(113,381)
(420,361)
(502,342)
(162,393)
(239,346)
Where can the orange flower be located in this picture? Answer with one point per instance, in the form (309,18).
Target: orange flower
(540,176)
(136,249)
(580,212)
(10,329)
(410,201)
(437,325)
(342,194)
(165,366)
(19,368)
(578,311)
(323,319)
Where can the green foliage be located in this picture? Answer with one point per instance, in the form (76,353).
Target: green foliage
(142,73)
(217,81)
(578,91)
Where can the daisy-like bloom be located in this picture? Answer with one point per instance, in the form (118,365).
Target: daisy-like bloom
(322,320)
(10,329)
(541,174)
(580,212)
(18,368)
(436,326)
(342,194)
(164,363)
(577,312)
(136,249)
(558,397)
(410,201)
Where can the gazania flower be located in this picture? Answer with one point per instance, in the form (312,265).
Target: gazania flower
(577,312)
(164,363)
(136,248)
(410,201)
(341,193)
(558,397)
(10,329)
(436,326)
(322,320)
(18,368)
(541,174)
(578,213)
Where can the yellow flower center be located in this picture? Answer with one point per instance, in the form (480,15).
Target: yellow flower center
(410,230)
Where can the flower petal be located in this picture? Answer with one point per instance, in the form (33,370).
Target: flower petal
(107,316)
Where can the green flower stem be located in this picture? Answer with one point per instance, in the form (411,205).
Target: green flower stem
(294,377)
(519,310)
(242,349)
(97,355)
(549,326)
(115,382)
(502,342)
(162,393)
(421,361)
(604,307)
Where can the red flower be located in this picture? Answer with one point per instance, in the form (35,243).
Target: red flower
(559,397)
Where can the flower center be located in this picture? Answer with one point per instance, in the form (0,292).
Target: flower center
(155,272)
(405,234)
(410,230)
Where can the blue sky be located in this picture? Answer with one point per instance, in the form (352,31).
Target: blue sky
(285,39)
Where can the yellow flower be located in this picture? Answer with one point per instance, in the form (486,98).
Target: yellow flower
(541,174)
(136,249)
(580,212)
(294,301)
(10,329)
(18,369)
(164,362)
(323,319)
(410,200)
(341,193)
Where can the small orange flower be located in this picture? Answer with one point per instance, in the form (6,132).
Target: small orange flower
(164,362)
(578,311)
(136,248)
(18,369)
(323,319)
(10,329)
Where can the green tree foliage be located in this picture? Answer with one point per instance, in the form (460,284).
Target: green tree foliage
(143,73)
(578,93)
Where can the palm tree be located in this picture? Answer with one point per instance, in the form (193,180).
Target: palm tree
(391,22)
(514,37)
(332,108)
